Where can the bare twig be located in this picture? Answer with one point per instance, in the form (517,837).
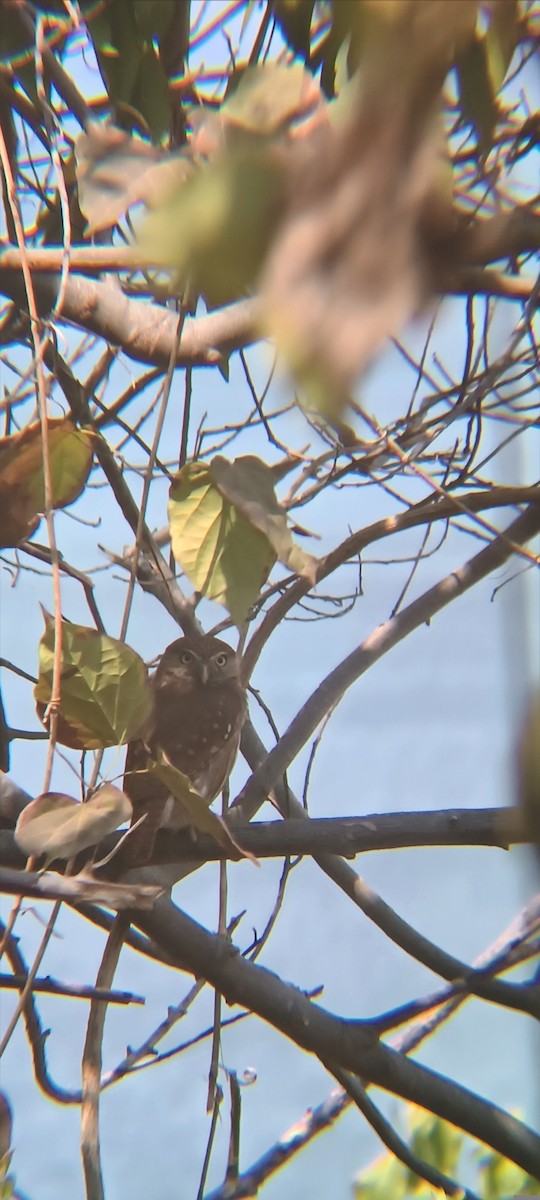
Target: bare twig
(91,1066)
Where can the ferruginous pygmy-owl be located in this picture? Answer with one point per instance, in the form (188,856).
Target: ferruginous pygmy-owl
(198,713)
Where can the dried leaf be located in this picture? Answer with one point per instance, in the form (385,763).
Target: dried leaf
(197,810)
(59,826)
(105,695)
(22,488)
(269,96)
(223,555)
(248,484)
(115,170)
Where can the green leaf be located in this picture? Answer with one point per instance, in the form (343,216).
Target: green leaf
(249,485)
(150,92)
(153,20)
(386,1178)
(477,97)
(436,1142)
(501,39)
(501,1178)
(17,53)
(224,557)
(123,36)
(59,826)
(197,811)
(216,228)
(105,695)
(22,488)
(6,1125)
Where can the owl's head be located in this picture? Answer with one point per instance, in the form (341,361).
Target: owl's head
(198,659)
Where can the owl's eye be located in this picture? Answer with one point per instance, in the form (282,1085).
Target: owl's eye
(186,657)
(220,660)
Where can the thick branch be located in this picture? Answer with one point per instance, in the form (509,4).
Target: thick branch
(352,1044)
(146,332)
(351,835)
(501,827)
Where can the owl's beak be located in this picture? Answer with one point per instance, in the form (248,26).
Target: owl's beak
(202,670)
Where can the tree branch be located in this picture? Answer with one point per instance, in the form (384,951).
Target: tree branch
(383,639)
(145,331)
(351,1044)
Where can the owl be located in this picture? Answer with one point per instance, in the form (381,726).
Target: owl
(198,712)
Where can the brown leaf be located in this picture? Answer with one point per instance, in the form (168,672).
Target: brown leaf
(59,826)
(248,484)
(115,170)
(22,488)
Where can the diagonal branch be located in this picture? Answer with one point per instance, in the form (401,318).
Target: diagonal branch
(352,1045)
(383,639)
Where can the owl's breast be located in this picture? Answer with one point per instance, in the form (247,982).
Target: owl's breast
(200,734)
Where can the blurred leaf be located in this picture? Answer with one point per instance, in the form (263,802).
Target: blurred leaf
(501,39)
(294,19)
(22,489)
(115,170)
(6,1124)
(58,826)
(216,228)
(105,694)
(222,554)
(249,485)
(435,1141)
(196,809)
(269,96)
(7,1184)
(500,1178)
(441,1145)
(367,228)
(384,1179)
(477,98)
(529,768)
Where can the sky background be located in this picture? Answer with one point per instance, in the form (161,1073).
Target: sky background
(432,725)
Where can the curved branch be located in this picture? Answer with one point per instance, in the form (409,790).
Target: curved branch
(383,639)
(35,1032)
(426,512)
